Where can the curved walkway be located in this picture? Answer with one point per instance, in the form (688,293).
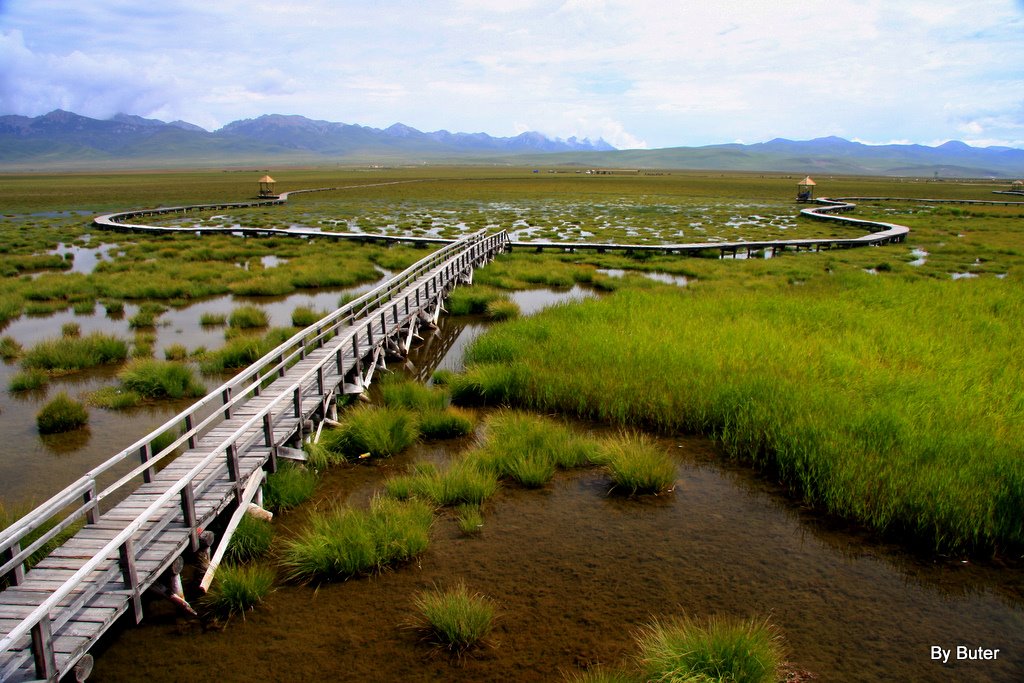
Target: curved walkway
(877,232)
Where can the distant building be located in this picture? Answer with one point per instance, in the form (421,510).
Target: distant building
(267,186)
(1017,186)
(805,190)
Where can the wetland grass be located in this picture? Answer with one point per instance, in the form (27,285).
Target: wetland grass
(377,431)
(10,349)
(28,380)
(444,424)
(237,589)
(716,649)
(345,542)
(213,319)
(469,518)
(61,414)
(289,487)
(849,388)
(455,618)
(637,465)
(304,316)
(248,317)
(157,379)
(75,353)
(252,539)
(114,398)
(457,483)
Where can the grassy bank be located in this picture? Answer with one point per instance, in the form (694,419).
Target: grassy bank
(887,400)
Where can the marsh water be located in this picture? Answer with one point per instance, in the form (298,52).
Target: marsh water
(572,569)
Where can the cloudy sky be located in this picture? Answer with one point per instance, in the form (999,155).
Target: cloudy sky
(639,73)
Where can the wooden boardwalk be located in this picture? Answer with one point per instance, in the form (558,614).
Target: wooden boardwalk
(135,530)
(134,533)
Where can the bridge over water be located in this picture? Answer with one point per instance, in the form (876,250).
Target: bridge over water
(134,535)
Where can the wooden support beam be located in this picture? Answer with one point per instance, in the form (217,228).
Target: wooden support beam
(251,487)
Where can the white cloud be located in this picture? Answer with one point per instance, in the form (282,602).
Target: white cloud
(635,72)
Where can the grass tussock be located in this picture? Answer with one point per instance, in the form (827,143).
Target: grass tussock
(114,398)
(290,486)
(460,482)
(637,465)
(75,353)
(379,431)
(237,589)
(344,542)
(252,539)
(716,649)
(213,319)
(469,519)
(28,380)
(398,392)
(304,316)
(61,414)
(242,351)
(248,317)
(156,379)
(455,618)
(10,349)
(444,424)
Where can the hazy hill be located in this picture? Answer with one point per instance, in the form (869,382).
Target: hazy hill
(63,140)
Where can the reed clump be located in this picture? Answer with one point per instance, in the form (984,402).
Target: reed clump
(444,424)
(28,380)
(252,539)
(304,316)
(10,348)
(157,379)
(377,431)
(716,649)
(637,465)
(455,618)
(75,353)
(237,589)
(290,486)
(345,542)
(61,414)
(248,317)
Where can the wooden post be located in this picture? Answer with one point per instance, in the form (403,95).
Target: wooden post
(42,650)
(188,511)
(188,429)
(131,576)
(17,574)
(92,510)
(144,454)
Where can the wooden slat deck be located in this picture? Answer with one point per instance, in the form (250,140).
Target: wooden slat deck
(71,597)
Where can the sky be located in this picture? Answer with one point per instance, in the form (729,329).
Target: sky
(638,73)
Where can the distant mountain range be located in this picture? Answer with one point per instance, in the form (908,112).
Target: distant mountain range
(63,140)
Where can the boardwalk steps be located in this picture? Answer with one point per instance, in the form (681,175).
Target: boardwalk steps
(133,533)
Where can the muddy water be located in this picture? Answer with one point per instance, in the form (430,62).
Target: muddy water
(574,572)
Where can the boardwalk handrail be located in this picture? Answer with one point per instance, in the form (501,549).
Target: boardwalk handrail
(255,373)
(437,262)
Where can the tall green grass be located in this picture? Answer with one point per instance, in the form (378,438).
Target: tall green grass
(638,465)
(252,539)
(460,482)
(455,618)
(161,379)
(75,353)
(850,388)
(61,414)
(248,317)
(239,588)
(718,649)
(344,542)
(290,486)
(379,431)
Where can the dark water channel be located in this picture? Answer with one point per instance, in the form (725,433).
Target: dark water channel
(573,571)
